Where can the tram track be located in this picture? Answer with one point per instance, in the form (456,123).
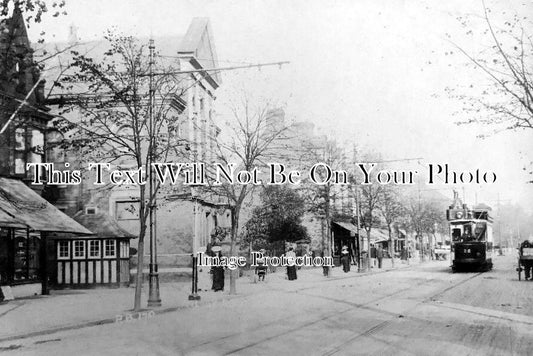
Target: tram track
(406,314)
(323,318)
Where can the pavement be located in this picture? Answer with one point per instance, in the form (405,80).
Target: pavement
(76,308)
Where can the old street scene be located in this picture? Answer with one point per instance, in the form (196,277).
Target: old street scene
(266,177)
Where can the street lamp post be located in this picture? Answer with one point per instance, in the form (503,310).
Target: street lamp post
(358,222)
(194,287)
(154,299)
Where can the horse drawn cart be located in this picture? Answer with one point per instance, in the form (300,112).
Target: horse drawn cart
(525,260)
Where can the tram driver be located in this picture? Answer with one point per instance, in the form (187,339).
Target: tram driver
(467,234)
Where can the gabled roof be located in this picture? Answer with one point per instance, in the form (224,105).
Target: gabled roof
(197,47)
(16,24)
(198,43)
(22,207)
(101,224)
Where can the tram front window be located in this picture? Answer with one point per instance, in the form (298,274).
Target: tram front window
(479,231)
(456,234)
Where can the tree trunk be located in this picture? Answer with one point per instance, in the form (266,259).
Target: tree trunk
(368,258)
(329,250)
(140,253)
(234,232)
(391,247)
(139,277)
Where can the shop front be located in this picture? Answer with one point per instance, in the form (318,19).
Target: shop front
(344,234)
(26,221)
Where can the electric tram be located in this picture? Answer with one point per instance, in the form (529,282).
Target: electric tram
(471,236)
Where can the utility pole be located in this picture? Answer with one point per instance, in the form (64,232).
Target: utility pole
(357,213)
(421,237)
(196,236)
(154,299)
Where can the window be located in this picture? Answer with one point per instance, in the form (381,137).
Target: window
(124,249)
(94,248)
(37,141)
(20,143)
(63,250)
(90,210)
(127,210)
(79,249)
(20,166)
(29,147)
(110,248)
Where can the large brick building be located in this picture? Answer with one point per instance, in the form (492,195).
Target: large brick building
(183,216)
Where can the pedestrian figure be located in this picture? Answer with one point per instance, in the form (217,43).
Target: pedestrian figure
(291,268)
(218,273)
(261,268)
(373,256)
(379,255)
(528,264)
(345,259)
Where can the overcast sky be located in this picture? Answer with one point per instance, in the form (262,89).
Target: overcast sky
(372,72)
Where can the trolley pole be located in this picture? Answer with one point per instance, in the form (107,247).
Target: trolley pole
(154,299)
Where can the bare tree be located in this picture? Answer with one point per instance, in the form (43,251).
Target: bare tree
(250,141)
(392,210)
(113,123)
(422,215)
(371,200)
(506,103)
(321,198)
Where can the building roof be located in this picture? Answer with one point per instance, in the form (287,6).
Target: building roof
(23,208)
(7,220)
(199,41)
(103,225)
(196,46)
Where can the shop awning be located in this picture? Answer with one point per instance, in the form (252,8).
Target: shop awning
(379,235)
(21,207)
(346,225)
(376,235)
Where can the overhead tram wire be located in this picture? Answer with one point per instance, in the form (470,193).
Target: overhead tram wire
(214,70)
(259,65)
(207,59)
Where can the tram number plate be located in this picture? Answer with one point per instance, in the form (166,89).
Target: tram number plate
(466,250)
(527,251)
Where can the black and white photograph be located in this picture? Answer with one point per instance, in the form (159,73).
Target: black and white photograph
(266,177)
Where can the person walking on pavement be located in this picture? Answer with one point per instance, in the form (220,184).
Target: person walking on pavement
(528,264)
(217,272)
(291,268)
(345,259)
(379,255)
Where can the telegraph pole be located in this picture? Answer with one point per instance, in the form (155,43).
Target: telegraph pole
(154,300)
(194,287)
(357,213)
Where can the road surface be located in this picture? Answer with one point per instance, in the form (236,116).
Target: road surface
(420,310)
